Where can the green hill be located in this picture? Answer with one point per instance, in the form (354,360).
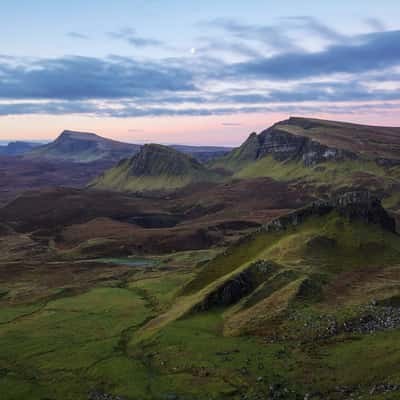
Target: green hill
(154,168)
(318,288)
(325,155)
(313,141)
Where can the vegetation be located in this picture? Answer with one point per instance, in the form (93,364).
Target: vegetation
(154,168)
(307,307)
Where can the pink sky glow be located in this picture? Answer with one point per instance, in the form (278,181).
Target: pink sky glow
(228,130)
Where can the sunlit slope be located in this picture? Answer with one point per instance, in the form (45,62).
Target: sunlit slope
(154,168)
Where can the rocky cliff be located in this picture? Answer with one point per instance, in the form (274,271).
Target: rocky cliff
(313,141)
(285,146)
(238,286)
(353,205)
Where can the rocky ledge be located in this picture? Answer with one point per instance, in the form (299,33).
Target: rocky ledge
(239,285)
(353,205)
(285,146)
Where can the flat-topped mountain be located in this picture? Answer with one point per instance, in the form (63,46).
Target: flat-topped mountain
(325,155)
(87,147)
(314,141)
(372,142)
(84,147)
(154,167)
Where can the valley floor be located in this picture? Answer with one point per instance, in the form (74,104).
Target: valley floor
(70,331)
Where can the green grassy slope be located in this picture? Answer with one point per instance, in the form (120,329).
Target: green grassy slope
(348,244)
(134,332)
(154,168)
(371,158)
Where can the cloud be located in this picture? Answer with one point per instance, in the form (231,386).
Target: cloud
(358,68)
(135,130)
(273,36)
(218,45)
(313,25)
(351,90)
(77,35)
(129,35)
(231,124)
(76,77)
(370,52)
(52,108)
(376,24)
(134,111)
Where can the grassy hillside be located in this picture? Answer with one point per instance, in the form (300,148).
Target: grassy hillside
(309,310)
(154,168)
(309,294)
(324,155)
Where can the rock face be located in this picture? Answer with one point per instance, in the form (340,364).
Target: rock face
(284,146)
(353,205)
(154,168)
(238,286)
(156,160)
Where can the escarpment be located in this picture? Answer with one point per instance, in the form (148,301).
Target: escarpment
(238,286)
(285,146)
(353,205)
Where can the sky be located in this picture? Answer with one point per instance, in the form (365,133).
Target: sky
(194,72)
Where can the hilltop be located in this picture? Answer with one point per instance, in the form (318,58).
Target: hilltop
(325,155)
(84,147)
(314,141)
(317,287)
(154,168)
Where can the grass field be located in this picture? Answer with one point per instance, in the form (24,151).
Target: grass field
(70,330)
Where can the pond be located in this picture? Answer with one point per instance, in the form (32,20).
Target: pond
(129,262)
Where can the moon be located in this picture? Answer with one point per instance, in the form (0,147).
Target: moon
(193,50)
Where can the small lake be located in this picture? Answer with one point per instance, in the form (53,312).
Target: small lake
(129,262)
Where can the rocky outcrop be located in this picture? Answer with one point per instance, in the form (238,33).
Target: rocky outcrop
(157,160)
(155,168)
(353,205)
(238,286)
(387,162)
(285,146)
(99,395)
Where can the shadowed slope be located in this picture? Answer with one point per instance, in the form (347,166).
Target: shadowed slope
(84,147)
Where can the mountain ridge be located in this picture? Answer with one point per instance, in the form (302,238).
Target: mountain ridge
(315,141)
(85,147)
